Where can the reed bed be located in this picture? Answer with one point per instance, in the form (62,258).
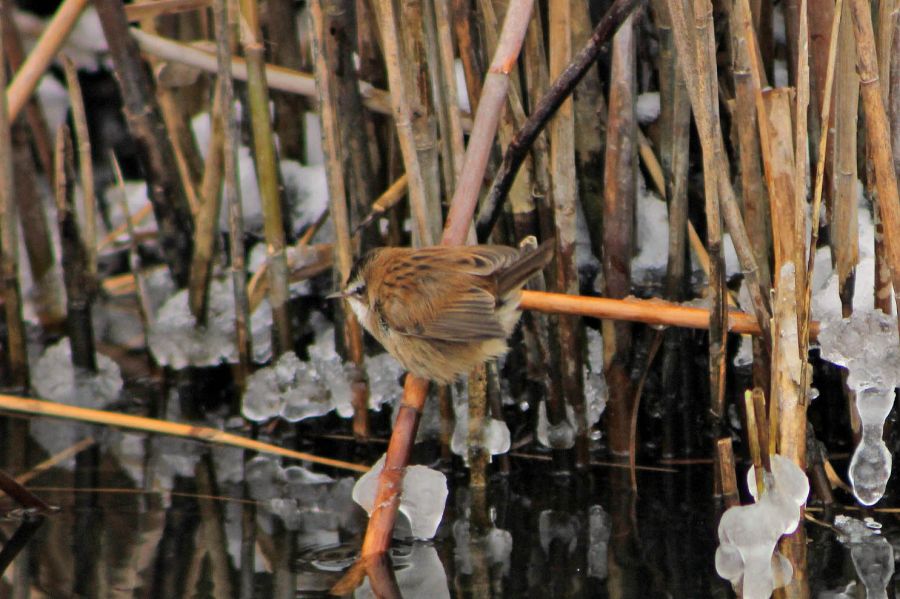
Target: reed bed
(553,145)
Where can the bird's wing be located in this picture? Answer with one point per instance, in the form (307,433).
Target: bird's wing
(452,293)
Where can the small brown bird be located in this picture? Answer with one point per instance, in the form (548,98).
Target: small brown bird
(442,310)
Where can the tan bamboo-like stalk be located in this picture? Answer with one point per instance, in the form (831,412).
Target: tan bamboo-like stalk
(894,83)
(34,113)
(477,454)
(204,434)
(878,137)
(157,156)
(418,60)
(17,351)
(206,232)
(821,17)
(134,260)
(325,57)
(619,201)
(174,115)
(213,528)
(699,72)
(401,108)
(231,191)
(85,164)
(158,8)
(452,131)
(469,53)
(725,458)
(267,170)
(54,36)
(844,227)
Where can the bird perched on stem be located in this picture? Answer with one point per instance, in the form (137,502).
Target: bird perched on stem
(442,310)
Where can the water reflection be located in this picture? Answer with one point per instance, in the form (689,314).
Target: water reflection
(156,517)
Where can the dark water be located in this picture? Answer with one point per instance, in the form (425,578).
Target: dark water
(145,516)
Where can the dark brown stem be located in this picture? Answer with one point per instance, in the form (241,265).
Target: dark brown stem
(559,90)
(157,156)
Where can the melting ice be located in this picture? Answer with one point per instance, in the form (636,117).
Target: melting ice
(748,534)
(872,554)
(866,345)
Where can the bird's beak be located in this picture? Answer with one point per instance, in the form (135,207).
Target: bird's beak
(336,295)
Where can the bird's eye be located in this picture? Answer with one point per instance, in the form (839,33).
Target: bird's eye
(358,289)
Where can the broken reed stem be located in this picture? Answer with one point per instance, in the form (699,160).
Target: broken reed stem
(134,260)
(204,434)
(167,194)
(727,474)
(878,136)
(490,105)
(79,284)
(267,171)
(387,200)
(231,191)
(324,13)
(403,120)
(17,351)
(54,36)
(206,232)
(447,93)
(752,433)
(85,165)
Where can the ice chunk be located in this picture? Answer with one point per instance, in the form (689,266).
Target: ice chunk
(175,341)
(872,554)
(290,389)
(496,434)
(866,345)
(55,379)
(558,436)
(497,547)
(647,107)
(560,527)
(595,390)
(748,534)
(421,500)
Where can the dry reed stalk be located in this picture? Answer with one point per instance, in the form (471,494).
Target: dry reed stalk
(212,527)
(590,131)
(136,219)
(231,192)
(79,284)
(134,260)
(751,431)
(657,312)
(174,115)
(36,232)
(207,229)
(477,456)
(156,153)
(285,49)
(323,262)
(894,84)
(34,113)
(324,13)
(469,52)
(754,194)
(446,92)
(148,10)
(821,16)
(17,351)
(403,120)
(878,138)
(85,164)
(698,70)
(267,172)
(53,37)
(787,396)
(844,227)
(779,160)
(619,201)
(38,407)
(418,59)
(494,93)
(727,474)
(387,200)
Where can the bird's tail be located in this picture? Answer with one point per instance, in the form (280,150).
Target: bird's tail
(526,266)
